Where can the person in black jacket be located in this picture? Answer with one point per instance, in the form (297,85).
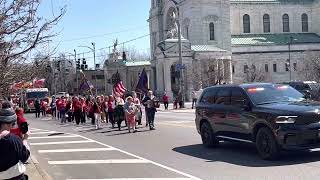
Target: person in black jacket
(13,152)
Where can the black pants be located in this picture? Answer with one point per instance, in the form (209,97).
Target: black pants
(83,117)
(151,115)
(38,112)
(111,118)
(69,116)
(166,105)
(194,101)
(44,113)
(93,119)
(54,112)
(77,116)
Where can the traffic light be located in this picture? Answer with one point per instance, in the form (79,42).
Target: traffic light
(84,61)
(78,64)
(124,56)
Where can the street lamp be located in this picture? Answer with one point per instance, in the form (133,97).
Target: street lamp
(180,52)
(289,60)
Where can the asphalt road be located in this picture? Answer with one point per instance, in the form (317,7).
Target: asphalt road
(172,151)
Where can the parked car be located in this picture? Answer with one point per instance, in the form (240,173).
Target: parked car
(310,88)
(274,117)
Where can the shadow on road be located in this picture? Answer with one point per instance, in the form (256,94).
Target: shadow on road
(245,155)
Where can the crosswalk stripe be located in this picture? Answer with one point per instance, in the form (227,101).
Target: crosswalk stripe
(75,150)
(137,179)
(61,142)
(45,132)
(53,137)
(108,161)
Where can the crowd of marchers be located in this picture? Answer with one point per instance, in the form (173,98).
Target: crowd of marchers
(112,110)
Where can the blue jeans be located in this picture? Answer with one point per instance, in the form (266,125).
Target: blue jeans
(63,116)
(150,115)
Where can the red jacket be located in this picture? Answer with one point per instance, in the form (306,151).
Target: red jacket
(165,98)
(21,126)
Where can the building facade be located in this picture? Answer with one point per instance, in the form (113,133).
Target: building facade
(232,41)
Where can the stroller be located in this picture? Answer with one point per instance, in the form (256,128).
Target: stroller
(119,115)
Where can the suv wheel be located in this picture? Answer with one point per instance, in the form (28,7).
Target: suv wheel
(266,144)
(207,136)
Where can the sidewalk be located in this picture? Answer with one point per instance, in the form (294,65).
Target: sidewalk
(35,172)
(187,109)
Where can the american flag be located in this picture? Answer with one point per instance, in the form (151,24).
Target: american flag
(118,88)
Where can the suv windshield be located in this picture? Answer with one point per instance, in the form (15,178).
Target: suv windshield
(273,93)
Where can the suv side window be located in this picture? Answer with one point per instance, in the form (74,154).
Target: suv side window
(209,96)
(223,96)
(238,98)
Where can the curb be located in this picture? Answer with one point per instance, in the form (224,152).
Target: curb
(35,172)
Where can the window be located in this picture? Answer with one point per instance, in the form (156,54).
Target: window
(97,76)
(233,69)
(223,96)
(246,23)
(304,20)
(187,32)
(245,68)
(274,67)
(285,23)
(209,96)
(266,23)
(211,28)
(266,68)
(159,3)
(295,66)
(237,97)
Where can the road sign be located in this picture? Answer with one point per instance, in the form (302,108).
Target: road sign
(180,67)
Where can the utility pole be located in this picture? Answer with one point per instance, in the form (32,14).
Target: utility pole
(75,61)
(289,60)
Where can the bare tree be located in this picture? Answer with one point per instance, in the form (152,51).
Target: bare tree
(22,30)
(254,74)
(311,67)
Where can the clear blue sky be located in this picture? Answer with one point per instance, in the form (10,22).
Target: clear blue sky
(86,18)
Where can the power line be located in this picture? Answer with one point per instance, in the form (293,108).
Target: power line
(101,35)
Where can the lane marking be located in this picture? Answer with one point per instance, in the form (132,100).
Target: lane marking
(61,142)
(177,125)
(75,150)
(136,179)
(53,137)
(152,162)
(108,161)
(47,132)
(36,129)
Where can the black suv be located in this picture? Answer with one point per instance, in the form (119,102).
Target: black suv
(273,116)
(310,88)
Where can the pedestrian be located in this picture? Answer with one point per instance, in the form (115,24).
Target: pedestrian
(137,103)
(97,113)
(119,114)
(194,98)
(21,128)
(69,110)
(111,107)
(53,106)
(104,108)
(63,110)
(165,99)
(77,110)
(37,106)
(149,102)
(130,112)
(83,110)
(58,104)
(14,151)
(44,108)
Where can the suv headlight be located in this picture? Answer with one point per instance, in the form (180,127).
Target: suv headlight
(286,119)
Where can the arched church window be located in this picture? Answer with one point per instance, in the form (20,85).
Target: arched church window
(246,23)
(304,20)
(266,23)
(211,30)
(285,23)
(187,31)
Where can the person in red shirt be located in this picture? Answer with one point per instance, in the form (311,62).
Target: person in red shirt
(77,110)
(63,107)
(84,110)
(58,104)
(165,99)
(21,128)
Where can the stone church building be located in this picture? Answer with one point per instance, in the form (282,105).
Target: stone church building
(232,41)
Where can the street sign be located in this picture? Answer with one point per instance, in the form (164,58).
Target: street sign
(180,67)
